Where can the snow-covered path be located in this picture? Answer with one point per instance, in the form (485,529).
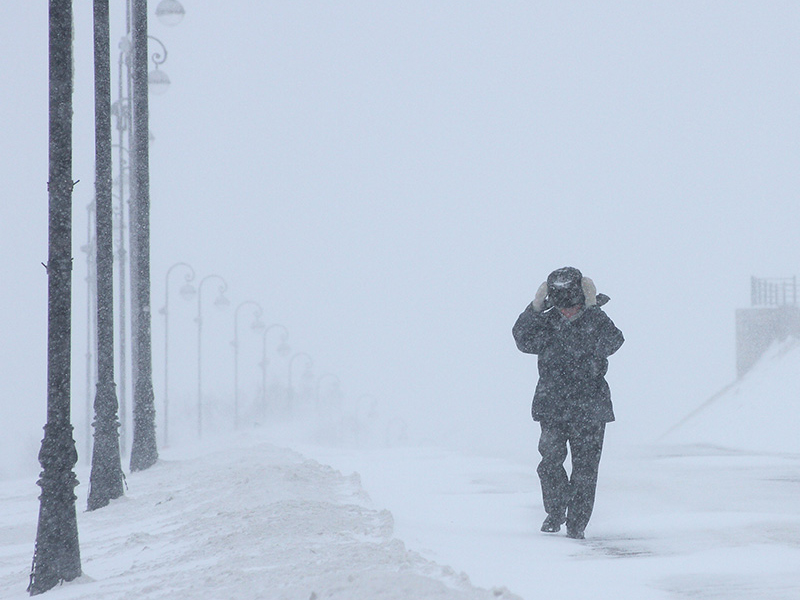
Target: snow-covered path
(669,522)
(252,520)
(247,520)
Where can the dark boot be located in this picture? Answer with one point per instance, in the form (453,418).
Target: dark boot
(575,534)
(552,524)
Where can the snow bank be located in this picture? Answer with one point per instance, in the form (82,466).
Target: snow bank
(255,521)
(758,413)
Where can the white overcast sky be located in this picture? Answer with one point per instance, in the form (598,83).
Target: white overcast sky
(392,181)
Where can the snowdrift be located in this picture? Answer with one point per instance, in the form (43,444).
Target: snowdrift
(758,413)
(256,521)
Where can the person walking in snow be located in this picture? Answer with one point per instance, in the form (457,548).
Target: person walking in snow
(573,338)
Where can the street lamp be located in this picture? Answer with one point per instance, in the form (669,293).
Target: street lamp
(157,80)
(144,451)
(256,325)
(131,111)
(372,405)
(187,292)
(335,384)
(329,414)
(221,302)
(370,416)
(170,12)
(396,431)
(309,367)
(56,555)
(91,317)
(283,350)
(106,482)
(121,110)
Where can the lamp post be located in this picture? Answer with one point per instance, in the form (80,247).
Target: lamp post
(257,325)
(56,555)
(329,414)
(283,350)
(370,417)
(144,451)
(170,12)
(187,291)
(121,110)
(158,81)
(309,367)
(221,302)
(106,482)
(372,405)
(335,383)
(91,317)
(131,110)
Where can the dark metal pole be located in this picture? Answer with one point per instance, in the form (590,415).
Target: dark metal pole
(265,360)
(235,343)
(199,320)
(144,452)
(91,320)
(123,125)
(57,554)
(165,311)
(106,478)
(290,388)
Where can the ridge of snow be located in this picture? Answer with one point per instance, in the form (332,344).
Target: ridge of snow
(256,521)
(758,413)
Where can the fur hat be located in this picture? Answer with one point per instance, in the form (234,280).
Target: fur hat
(568,287)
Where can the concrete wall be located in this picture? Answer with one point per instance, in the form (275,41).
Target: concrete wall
(757,328)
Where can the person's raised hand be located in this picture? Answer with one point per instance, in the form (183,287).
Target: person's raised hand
(538,299)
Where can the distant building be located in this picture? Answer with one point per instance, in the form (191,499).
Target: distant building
(773,316)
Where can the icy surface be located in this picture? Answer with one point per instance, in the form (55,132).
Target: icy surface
(669,522)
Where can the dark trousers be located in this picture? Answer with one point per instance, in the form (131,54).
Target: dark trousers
(570,498)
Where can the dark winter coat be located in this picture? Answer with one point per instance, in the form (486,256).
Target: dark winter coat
(572,363)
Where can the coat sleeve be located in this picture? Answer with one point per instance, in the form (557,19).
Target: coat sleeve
(531,331)
(609,338)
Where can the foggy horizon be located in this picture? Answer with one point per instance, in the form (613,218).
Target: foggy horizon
(392,184)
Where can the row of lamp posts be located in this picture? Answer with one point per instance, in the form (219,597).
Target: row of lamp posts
(256,325)
(188,291)
(56,552)
(170,13)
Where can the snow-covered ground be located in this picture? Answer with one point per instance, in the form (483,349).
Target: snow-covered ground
(246,520)
(758,413)
(711,512)
(669,522)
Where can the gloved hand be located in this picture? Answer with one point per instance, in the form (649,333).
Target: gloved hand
(538,299)
(589,291)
